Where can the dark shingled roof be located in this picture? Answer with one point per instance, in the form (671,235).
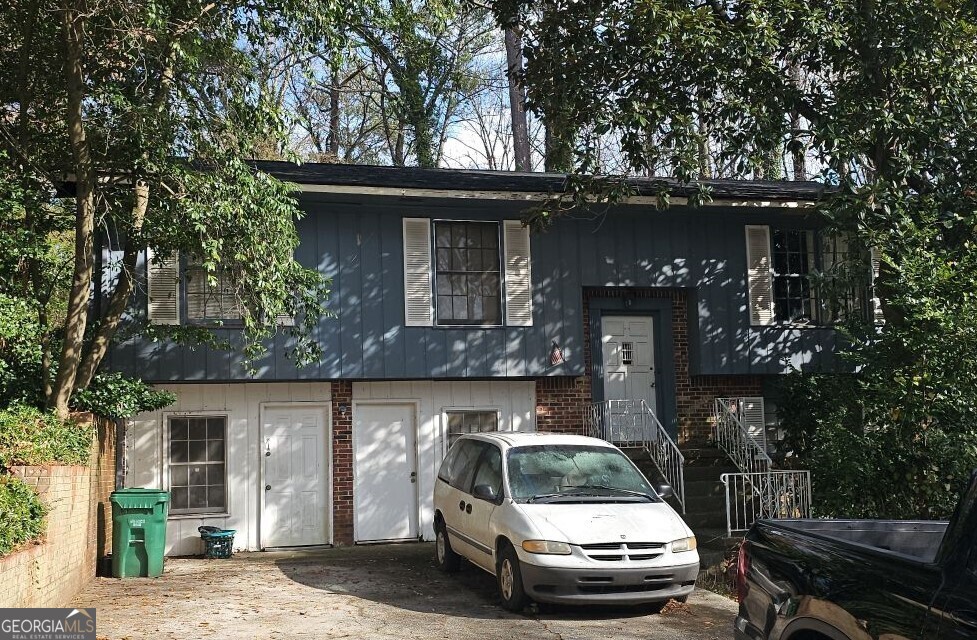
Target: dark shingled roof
(351,175)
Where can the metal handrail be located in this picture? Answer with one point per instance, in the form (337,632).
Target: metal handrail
(733,437)
(765,495)
(632,423)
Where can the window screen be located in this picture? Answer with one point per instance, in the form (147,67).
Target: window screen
(460,422)
(196,465)
(468,277)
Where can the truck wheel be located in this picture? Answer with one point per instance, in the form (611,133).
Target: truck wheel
(509,577)
(448,561)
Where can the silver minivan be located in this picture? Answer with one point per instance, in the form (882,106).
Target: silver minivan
(560,518)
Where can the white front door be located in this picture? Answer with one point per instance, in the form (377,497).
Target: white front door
(629,371)
(384,472)
(295,508)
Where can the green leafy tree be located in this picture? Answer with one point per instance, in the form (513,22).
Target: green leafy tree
(882,97)
(147,111)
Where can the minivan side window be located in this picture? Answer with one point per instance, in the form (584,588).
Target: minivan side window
(490,470)
(462,464)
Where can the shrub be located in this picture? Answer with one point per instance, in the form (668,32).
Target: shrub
(30,436)
(21,514)
(116,396)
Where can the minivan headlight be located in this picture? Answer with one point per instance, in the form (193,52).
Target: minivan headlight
(685,544)
(546,546)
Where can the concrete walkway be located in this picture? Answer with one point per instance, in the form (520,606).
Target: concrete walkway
(378,592)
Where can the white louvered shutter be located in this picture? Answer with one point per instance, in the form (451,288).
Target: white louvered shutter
(754,421)
(759,279)
(163,285)
(518,276)
(877,316)
(417,272)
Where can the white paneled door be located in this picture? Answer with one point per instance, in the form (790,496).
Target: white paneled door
(629,367)
(294,452)
(384,472)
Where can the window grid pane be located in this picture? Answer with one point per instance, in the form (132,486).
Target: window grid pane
(468,277)
(461,422)
(817,279)
(197,472)
(210,301)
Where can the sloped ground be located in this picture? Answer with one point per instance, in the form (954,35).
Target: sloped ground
(376,592)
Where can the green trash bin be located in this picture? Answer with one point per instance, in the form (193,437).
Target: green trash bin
(138,532)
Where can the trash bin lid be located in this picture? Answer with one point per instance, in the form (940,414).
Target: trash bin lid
(139,498)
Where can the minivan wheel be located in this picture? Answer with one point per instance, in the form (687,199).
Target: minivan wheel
(509,577)
(448,561)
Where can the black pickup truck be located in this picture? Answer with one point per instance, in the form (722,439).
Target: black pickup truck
(860,579)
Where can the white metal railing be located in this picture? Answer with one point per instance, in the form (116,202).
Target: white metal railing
(765,495)
(632,423)
(733,437)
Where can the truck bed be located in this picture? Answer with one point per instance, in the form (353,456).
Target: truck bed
(916,540)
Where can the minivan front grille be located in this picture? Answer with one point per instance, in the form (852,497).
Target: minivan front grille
(623,551)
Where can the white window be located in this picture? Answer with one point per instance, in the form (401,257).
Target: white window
(804,276)
(468,273)
(209,298)
(197,451)
(468,421)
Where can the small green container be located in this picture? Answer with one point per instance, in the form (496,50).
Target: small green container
(138,532)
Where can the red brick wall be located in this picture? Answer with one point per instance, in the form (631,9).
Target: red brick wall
(342,462)
(78,528)
(561,402)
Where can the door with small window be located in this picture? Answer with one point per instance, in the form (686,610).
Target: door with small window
(629,374)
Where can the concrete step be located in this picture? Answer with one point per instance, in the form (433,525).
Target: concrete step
(705,520)
(704,488)
(704,456)
(699,504)
(706,473)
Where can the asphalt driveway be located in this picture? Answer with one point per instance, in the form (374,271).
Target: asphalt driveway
(378,592)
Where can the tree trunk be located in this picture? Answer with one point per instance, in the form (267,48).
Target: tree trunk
(559,143)
(77,313)
(517,101)
(334,87)
(797,151)
(120,297)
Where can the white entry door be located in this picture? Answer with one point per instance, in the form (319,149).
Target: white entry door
(384,472)
(629,373)
(294,453)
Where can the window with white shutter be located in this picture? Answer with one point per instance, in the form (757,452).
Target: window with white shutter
(473,275)
(418,301)
(163,285)
(467,273)
(518,276)
(759,284)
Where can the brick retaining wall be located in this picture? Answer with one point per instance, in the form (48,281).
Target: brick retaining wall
(78,529)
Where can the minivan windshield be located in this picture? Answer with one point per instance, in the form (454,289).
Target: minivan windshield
(575,473)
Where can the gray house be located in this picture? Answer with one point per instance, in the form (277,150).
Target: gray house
(448,316)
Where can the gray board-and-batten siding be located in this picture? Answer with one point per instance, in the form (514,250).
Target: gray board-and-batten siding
(357,242)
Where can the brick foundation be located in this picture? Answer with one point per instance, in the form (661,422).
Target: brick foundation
(561,402)
(78,529)
(342,462)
